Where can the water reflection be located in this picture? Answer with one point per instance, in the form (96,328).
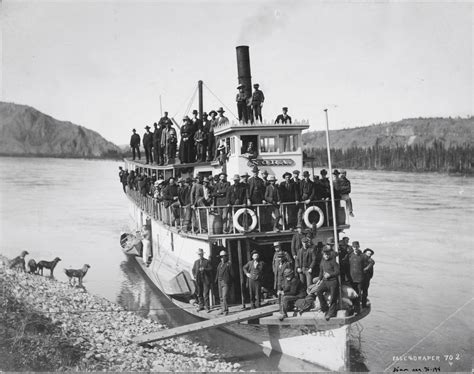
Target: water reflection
(140,295)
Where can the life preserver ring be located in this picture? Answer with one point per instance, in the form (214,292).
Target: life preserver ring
(313,208)
(237,215)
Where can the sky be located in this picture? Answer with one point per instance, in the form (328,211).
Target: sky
(105,64)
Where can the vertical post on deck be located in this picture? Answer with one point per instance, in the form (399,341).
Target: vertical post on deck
(200,99)
(241,272)
(333,206)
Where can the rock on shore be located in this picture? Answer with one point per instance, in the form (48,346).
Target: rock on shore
(100,332)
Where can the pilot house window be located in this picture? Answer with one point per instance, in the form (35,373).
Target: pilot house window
(289,143)
(268,144)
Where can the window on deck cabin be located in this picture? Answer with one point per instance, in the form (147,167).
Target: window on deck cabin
(289,143)
(268,144)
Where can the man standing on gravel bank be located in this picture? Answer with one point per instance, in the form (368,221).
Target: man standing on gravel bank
(202,272)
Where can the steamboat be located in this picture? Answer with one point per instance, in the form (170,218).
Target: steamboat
(308,336)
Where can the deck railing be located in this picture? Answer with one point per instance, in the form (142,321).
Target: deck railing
(212,220)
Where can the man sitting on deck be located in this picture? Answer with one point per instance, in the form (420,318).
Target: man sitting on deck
(293,290)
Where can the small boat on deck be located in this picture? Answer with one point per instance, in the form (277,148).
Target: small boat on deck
(309,336)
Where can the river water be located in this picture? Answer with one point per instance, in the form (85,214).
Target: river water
(419,225)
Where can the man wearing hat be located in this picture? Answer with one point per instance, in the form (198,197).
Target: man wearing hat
(328,273)
(202,273)
(284,118)
(306,261)
(264,174)
(170,200)
(221,189)
(257,102)
(254,272)
(221,120)
(344,251)
(357,262)
(148,144)
(306,195)
(345,190)
(224,279)
(135,144)
(272,196)
(211,139)
(292,290)
(186,145)
(200,142)
(236,195)
(241,99)
(256,188)
(368,274)
(184,198)
(156,143)
(281,261)
(325,185)
(169,141)
(289,196)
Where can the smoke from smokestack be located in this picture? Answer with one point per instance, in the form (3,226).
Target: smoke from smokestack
(262,24)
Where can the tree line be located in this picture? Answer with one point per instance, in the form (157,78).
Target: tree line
(435,157)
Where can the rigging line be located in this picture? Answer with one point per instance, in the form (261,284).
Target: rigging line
(432,331)
(213,94)
(191,102)
(184,102)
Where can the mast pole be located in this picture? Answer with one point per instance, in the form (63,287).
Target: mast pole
(333,205)
(200,99)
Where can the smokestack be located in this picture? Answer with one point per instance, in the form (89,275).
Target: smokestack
(243,68)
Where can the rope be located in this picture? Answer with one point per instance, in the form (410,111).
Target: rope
(192,97)
(225,106)
(191,101)
(432,331)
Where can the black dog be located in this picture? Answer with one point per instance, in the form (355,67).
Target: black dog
(33,267)
(48,265)
(19,261)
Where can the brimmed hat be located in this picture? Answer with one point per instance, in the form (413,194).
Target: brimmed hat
(336,172)
(297,172)
(134,130)
(245,175)
(285,108)
(216,177)
(271,178)
(213,112)
(236,177)
(195,111)
(222,253)
(288,272)
(255,169)
(224,174)
(256,85)
(240,86)
(220,110)
(323,172)
(306,173)
(330,240)
(254,252)
(200,250)
(147,127)
(221,146)
(369,250)
(285,174)
(276,244)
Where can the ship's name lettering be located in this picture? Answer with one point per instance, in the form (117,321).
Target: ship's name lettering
(271,162)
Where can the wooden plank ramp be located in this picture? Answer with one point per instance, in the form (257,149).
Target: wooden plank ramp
(208,324)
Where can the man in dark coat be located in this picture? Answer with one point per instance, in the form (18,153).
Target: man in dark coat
(345,190)
(257,102)
(325,185)
(329,272)
(368,274)
(256,188)
(186,145)
(148,144)
(281,261)
(135,144)
(288,194)
(184,198)
(272,196)
(344,251)
(162,123)
(211,140)
(283,118)
(220,191)
(241,100)
(306,261)
(296,242)
(202,273)
(292,290)
(235,194)
(170,200)
(224,279)
(306,195)
(254,272)
(157,143)
(357,263)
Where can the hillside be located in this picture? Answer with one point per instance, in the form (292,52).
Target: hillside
(450,132)
(25,131)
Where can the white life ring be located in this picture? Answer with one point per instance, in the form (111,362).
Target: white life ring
(313,209)
(237,215)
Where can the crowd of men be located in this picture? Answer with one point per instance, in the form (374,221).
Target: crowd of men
(184,194)
(197,141)
(311,271)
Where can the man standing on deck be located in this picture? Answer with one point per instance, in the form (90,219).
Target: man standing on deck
(284,118)
(289,195)
(306,195)
(325,185)
(257,102)
(241,100)
(211,140)
(221,120)
(148,144)
(157,143)
(357,263)
(345,190)
(306,261)
(202,273)
(224,278)
(135,144)
(221,195)
(163,122)
(281,261)
(254,272)
(329,271)
(272,196)
(184,197)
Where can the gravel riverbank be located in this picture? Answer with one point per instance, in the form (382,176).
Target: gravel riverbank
(50,325)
